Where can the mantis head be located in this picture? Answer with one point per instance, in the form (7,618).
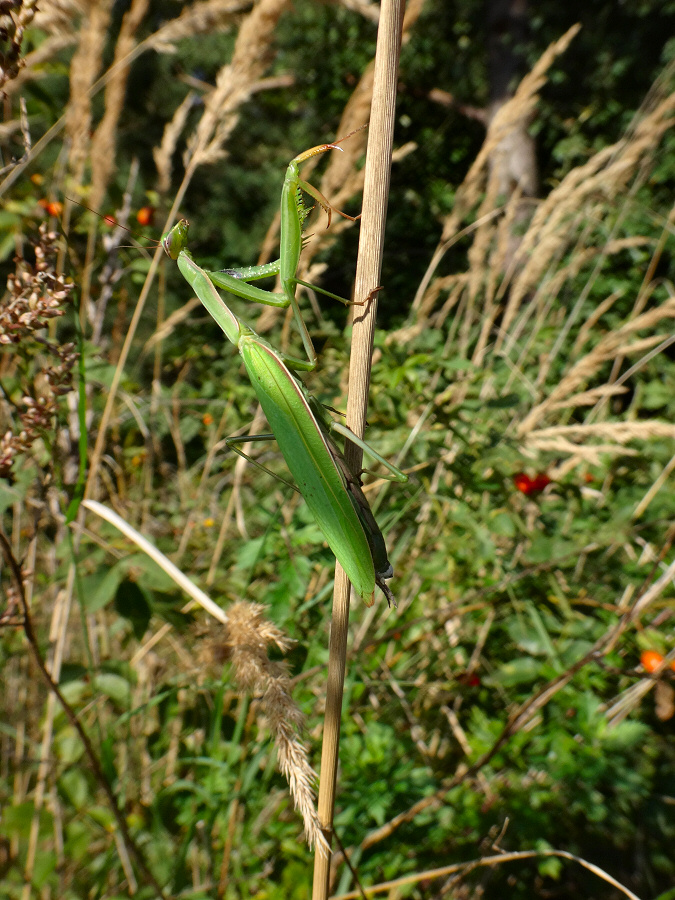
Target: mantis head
(175,241)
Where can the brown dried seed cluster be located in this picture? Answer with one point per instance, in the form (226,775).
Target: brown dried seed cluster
(15,17)
(35,294)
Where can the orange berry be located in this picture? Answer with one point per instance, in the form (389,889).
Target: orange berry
(651,660)
(145,215)
(207,419)
(51,207)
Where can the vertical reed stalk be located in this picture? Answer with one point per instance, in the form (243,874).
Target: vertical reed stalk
(368,269)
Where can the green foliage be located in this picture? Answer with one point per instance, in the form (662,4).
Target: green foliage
(500,591)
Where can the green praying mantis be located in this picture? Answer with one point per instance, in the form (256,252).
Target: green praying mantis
(303,429)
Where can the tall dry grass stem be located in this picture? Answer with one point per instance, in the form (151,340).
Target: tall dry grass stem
(369,264)
(84,70)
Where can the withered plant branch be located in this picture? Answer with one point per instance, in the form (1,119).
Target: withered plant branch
(71,715)
(465,867)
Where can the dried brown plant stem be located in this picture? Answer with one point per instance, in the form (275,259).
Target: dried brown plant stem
(464,868)
(368,268)
(103,143)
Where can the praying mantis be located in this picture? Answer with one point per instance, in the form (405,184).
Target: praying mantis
(303,429)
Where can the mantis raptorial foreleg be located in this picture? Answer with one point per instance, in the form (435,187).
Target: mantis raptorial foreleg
(293,214)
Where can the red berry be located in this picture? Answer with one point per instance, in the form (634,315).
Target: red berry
(529,486)
(523,483)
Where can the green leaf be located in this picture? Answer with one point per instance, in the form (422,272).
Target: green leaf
(68,745)
(45,865)
(74,691)
(503,524)
(132,604)
(626,734)
(74,787)
(99,589)
(523,670)
(550,866)
(114,686)
(669,895)
(16,820)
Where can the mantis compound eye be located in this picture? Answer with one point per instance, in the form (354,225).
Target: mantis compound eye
(176,240)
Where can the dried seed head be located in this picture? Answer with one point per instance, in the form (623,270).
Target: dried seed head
(35,295)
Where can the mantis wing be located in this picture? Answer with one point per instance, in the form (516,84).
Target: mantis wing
(308,456)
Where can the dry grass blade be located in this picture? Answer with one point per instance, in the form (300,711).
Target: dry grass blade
(606,349)
(464,868)
(620,432)
(84,70)
(204,17)
(234,84)
(103,143)
(173,129)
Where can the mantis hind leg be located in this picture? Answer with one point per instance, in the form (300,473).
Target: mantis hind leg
(396,473)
